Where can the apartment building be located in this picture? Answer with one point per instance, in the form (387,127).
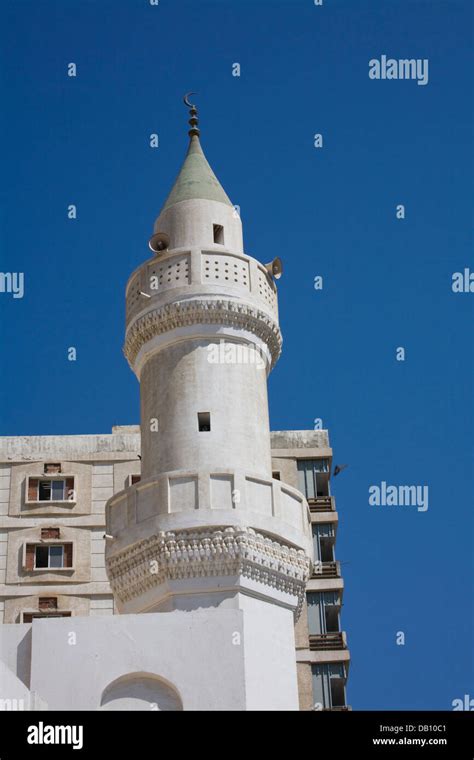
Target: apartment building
(53,491)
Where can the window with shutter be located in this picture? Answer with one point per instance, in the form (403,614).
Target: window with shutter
(68,555)
(313,477)
(30,556)
(51,489)
(33,489)
(48,556)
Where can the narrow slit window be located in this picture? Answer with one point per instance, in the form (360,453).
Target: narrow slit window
(218,234)
(204,422)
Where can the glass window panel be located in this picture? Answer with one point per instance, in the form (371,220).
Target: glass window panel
(321,686)
(325,529)
(321,465)
(45,490)
(41,556)
(58,490)
(56,556)
(306,477)
(314,614)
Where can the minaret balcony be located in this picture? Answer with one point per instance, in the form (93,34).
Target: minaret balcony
(181,273)
(167,531)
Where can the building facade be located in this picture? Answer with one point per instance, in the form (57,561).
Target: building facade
(101,466)
(220,531)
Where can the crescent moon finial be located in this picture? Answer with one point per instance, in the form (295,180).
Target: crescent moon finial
(186,100)
(193,121)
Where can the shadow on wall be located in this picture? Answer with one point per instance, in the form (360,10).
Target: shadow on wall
(23,659)
(140,691)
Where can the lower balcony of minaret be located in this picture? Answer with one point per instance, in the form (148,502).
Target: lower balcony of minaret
(187,540)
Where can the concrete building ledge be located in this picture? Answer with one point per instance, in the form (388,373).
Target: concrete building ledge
(325,584)
(68,447)
(299,439)
(304,655)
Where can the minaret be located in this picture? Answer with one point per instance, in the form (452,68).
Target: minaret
(207,528)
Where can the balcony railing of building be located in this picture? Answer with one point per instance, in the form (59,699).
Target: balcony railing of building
(321,504)
(326,570)
(327,641)
(338,708)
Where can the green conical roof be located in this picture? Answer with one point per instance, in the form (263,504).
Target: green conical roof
(196,179)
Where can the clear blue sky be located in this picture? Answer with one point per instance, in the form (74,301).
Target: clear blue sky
(329,212)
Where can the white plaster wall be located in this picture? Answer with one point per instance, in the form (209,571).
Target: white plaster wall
(190,223)
(191,650)
(216,659)
(270,666)
(13,692)
(178,383)
(140,692)
(15,652)
(146,508)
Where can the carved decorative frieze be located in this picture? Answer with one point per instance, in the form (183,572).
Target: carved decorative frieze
(225,551)
(203,311)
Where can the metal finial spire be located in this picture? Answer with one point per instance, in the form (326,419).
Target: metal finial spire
(193,121)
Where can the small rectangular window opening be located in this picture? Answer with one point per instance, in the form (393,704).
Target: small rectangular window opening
(218,234)
(49,533)
(52,468)
(47,603)
(204,422)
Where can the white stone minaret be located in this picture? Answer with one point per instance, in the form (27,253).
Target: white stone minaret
(207,528)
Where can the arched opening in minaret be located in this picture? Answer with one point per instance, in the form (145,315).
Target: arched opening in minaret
(141,691)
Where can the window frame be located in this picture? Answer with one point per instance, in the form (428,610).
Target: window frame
(35,614)
(310,473)
(51,501)
(36,544)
